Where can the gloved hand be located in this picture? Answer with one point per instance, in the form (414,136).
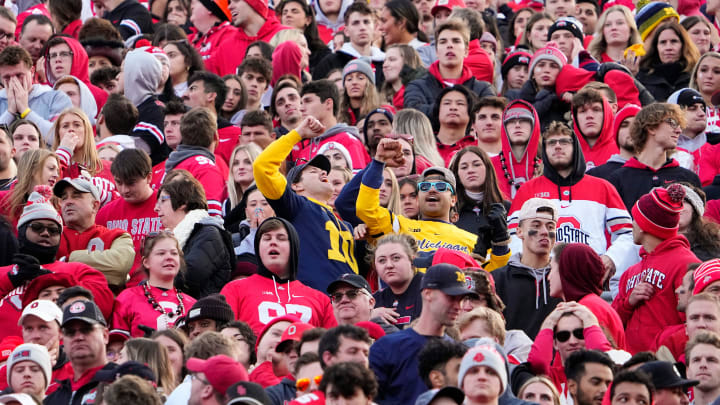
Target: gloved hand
(483,242)
(25,268)
(497,218)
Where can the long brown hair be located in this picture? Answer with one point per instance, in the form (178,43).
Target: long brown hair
(88,156)
(490,189)
(30,166)
(154,355)
(690,53)
(370,101)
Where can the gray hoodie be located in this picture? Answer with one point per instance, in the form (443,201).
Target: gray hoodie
(87,100)
(142,73)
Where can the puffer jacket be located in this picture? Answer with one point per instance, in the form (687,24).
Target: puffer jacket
(209,254)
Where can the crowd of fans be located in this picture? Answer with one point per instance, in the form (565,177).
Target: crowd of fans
(482,202)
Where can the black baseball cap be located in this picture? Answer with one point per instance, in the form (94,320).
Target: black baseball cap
(86,311)
(127,368)
(449,392)
(320,161)
(447,278)
(352,279)
(686,97)
(665,375)
(246,392)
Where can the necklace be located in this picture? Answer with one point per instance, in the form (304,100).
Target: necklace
(156,306)
(510,179)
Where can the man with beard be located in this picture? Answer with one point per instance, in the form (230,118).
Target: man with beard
(589,374)
(591,211)
(39,234)
(443,287)
(378,125)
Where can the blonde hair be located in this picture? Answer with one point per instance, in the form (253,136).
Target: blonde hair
(495,322)
(542,380)
(394,201)
(286,35)
(408,242)
(693,75)
(412,121)
(234,192)
(88,156)
(154,355)
(598,45)
(31,164)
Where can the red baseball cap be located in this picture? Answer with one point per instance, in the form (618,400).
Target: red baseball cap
(292,334)
(221,371)
(447,4)
(284,318)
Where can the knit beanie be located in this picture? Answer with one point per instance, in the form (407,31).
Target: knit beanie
(549,52)
(567,23)
(385,110)
(31,352)
(158,53)
(104,47)
(219,8)
(630,110)
(359,65)
(694,199)
(489,38)
(651,15)
(340,148)
(39,207)
(706,274)
(484,355)
(519,111)
(260,6)
(213,307)
(658,211)
(514,59)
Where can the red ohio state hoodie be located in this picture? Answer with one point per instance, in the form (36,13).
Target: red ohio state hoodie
(605,146)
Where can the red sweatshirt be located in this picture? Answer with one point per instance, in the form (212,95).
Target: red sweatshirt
(207,44)
(479,62)
(256,300)
(664,268)
(84,275)
(607,318)
(604,146)
(136,219)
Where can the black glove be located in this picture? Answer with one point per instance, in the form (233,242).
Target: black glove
(25,268)
(497,218)
(483,242)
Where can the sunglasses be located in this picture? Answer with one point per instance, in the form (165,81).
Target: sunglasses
(40,228)
(440,186)
(304,383)
(564,335)
(351,294)
(85,330)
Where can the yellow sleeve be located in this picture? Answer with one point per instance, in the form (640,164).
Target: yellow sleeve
(378,219)
(266,168)
(496,262)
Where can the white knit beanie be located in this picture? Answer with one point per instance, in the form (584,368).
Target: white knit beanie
(31,352)
(484,355)
(39,207)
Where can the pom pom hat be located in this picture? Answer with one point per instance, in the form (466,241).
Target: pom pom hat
(651,15)
(39,207)
(658,212)
(706,274)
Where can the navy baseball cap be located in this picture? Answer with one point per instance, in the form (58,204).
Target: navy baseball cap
(127,368)
(352,279)
(665,375)
(447,278)
(86,311)
(320,161)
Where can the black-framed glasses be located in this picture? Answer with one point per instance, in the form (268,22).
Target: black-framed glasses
(564,335)
(4,35)
(351,294)
(39,228)
(559,141)
(440,186)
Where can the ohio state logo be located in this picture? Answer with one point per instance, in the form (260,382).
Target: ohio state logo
(77,307)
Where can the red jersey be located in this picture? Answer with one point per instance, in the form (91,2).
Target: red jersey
(83,275)
(256,300)
(136,219)
(132,309)
(664,268)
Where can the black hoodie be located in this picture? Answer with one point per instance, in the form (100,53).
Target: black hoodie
(294,240)
(578,168)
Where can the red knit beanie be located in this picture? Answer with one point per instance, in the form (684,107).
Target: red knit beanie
(706,274)
(261,6)
(658,211)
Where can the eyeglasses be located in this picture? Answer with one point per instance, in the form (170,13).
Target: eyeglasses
(406,137)
(4,35)
(304,383)
(39,228)
(63,55)
(560,141)
(440,186)
(564,335)
(85,330)
(672,122)
(351,294)
(194,376)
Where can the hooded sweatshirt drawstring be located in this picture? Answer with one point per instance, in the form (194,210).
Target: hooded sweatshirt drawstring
(277,295)
(539,274)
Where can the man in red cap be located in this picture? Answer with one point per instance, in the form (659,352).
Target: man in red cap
(212,20)
(254,22)
(646,301)
(211,379)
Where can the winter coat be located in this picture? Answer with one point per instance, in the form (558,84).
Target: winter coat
(342,56)
(282,393)
(421,94)
(81,392)
(130,18)
(664,79)
(208,251)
